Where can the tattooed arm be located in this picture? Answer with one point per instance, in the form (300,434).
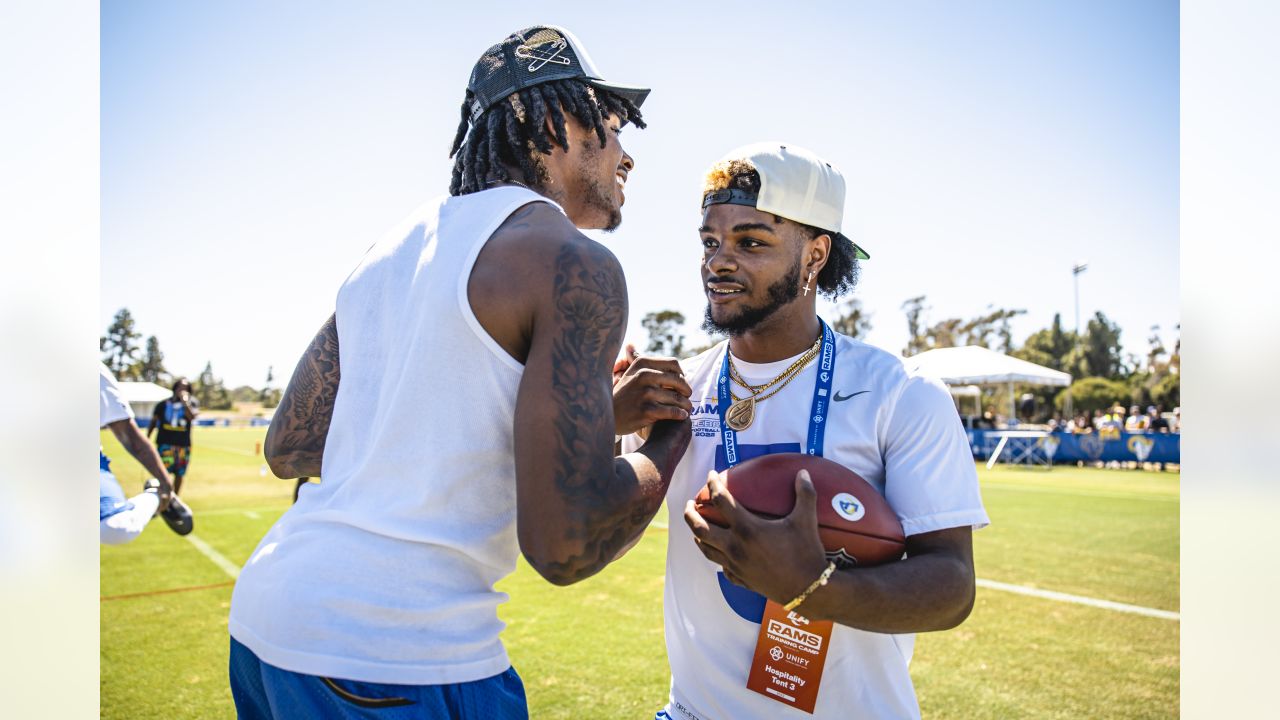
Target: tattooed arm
(579,507)
(295,440)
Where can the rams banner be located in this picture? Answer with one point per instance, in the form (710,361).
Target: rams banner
(1093,447)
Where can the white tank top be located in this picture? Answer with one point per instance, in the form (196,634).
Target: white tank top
(384,572)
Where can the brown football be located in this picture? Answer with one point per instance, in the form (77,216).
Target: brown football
(855,523)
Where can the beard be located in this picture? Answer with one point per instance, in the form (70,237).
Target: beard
(779,294)
(599,197)
(596,195)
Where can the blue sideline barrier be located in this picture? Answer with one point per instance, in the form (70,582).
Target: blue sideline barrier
(1092,447)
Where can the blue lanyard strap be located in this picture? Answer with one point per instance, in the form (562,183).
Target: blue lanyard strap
(818,411)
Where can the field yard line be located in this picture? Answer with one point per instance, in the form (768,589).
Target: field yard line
(1079,600)
(1085,493)
(252,515)
(243,511)
(218,558)
(229,451)
(150,593)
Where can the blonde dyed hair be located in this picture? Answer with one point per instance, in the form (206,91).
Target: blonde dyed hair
(839,275)
(731,174)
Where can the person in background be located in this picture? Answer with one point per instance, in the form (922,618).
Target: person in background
(1155,420)
(1156,424)
(1137,422)
(121,520)
(1109,428)
(172,420)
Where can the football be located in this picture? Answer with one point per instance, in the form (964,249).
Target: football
(855,523)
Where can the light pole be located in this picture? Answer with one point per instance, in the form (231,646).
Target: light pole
(1075,281)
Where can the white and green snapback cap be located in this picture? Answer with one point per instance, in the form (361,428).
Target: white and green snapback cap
(794,183)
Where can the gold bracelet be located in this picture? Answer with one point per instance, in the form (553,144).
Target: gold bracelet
(822,580)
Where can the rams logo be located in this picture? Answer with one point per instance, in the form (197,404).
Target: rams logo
(848,507)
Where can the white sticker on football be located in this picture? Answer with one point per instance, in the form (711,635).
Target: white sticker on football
(848,507)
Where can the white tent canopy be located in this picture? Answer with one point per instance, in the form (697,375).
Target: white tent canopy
(975,365)
(143,396)
(969,391)
(143,392)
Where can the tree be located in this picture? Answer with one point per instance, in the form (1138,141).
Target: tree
(244,394)
(1102,349)
(119,346)
(914,309)
(265,393)
(1094,393)
(853,320)
(953,332)
(977,330)
(1168,392)
(152,366)
(1060,342)
(1155,349)
(1052,348)
(210,391)
(665,336)
(271,397)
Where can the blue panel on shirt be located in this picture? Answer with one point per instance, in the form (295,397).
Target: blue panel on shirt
(747,604)
(747,452)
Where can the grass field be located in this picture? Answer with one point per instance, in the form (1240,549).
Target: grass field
(1104,534)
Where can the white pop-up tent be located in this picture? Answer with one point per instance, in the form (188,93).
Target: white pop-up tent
(976,365)
(968,391)
(143,396)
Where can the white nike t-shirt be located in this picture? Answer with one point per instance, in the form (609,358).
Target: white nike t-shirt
(898,432)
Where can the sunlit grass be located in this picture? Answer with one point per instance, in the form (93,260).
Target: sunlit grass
(596,649)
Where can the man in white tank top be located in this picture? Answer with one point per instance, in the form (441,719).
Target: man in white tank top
(771,242)
(458,410)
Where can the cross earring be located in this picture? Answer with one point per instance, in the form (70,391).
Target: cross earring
(806,283)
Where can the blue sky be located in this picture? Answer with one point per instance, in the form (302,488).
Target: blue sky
(251,152)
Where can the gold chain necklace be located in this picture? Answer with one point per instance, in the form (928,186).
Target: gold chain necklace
(796,366)
(743,410)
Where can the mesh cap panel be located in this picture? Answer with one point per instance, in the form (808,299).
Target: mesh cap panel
(532,56)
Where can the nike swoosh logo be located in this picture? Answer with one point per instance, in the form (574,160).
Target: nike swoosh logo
(839,398)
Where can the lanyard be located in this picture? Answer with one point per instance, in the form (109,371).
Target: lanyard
(817,414)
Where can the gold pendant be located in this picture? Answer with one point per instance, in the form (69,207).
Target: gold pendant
(741,413)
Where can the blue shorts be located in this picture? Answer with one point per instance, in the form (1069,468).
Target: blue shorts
(263,691)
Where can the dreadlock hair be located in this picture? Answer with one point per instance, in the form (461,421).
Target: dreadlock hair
(839,275)
(513,131)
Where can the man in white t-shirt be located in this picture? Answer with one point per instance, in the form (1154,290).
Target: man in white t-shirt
(770,233)
(120,520)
